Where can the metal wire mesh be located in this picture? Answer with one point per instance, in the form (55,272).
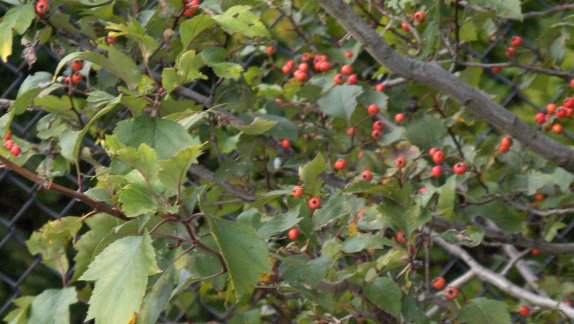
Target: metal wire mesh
(24,206)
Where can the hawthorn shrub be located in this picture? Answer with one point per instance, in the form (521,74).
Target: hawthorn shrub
(298,161)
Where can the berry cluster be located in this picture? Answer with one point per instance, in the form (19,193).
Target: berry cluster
(418,18)
(438,157)
(505,145)
(77,77)
(11,146)
(550,119)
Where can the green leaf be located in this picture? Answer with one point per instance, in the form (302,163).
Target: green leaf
(362,242)
(425,132)
(340,101)
(169,79)
(20,314)
(506,9)
(135,31)
(165,136)
(407,217)
(19,18)
(137,200)
(391,260)
(471,236)
(119,64)
(337,207)
(187,66)
(156,300)
(5,42)
(245,254)
(482,310)
(311,171)
(52,306)
(298,270)
(32,86)
(445,203)
(121,273)
(280,223)
(216,59)
(172,172)
(191,28)
(257,126)
(386,295)
(240,19)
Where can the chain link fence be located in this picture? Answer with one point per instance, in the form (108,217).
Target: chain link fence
(25,207)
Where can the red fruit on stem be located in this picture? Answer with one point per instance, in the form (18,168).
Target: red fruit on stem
(451,293)
(503,149)
(436,171)
(8,135)
(379,125)
(439,283)
(496,69)
(9,144)
(380,87)
(77,65)
(419,17)
(405,26)
(438,157)
(557,129)
(190,12)
(506,141)
(373,110)
(306,57)
(77,78)
(339,79)
(422,190)
(271,50)
(516,41)
(459,168)
(524,311)
(42,8)
(539,197)
(399,118)
(340,164)
(400,162)
(347,70)
(360,155)
(15,150)
(353,79)
(286,69)
(376,134)
(569,103)
(291,64)
(540,118)
(401,238)
(551,109)
(367,175)
(315,203)
(111,39)
(298,192)
(303,67)
(535,252)
(325,66)
(293,234)
(561,113)
(351,131)
(300,76)
(286,144)
(432,151)
(349,54)
(510,52)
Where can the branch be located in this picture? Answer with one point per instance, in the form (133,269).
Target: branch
(513,239)
(203,173)
(536,211)
(435,76)
(549,12)
(458,282)
(501,282)
(96,205)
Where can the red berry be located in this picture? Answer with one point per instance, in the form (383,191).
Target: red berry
(353,79)
(405,26)
(561,113)
(111,39)
(8,135)
(367,175)
(436,171)
(540,118)
(524,311)
(286,69)
(551,109)
(290,64)
(77,65)
(339,79)
(422,190)
(376,134)
(297,192)
(439,283)
(400,162)
(432,151)
(271,50)
(503,149)
(451,293)
(303,67)
(557,129)
(539,197)
(419,17)
(351,131)
(77,78)
(399,118)
(510,52)
(315,203)
(373,110)
(15,150)
(438,157)
(535,252)
(506,141)
(496,69)
(516,41)
(569,112)
(306,57)
(286,144)
(347,70)
(401,237)
(459,168)
(9,144)
(190,11)
(42,8)
(379,125)
(349,54)
(300,76)
(569,103)
(325,66)
(360,155)
(293,234)
(380,87)
(340,164)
